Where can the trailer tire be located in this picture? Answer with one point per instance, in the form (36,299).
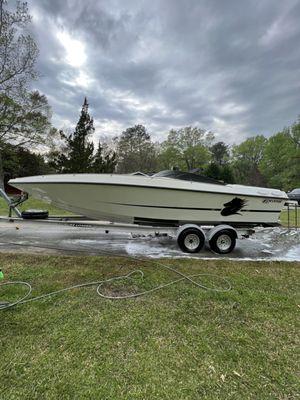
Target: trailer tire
(35,214)
(191,240)
(223,242)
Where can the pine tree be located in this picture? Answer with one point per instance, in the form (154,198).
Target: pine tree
(98,164)
(104,161)
(213,170)
(226,174)
(79,149)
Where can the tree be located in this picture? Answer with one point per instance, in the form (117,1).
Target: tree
(220,172)
(56,159)
(220,153)
(25,123)
(213,170)
(168,158)
(187,148)
(227,174)
(78,151)
(136,151)
(295,156)
(18,50)
(21,162)
(247,157)
(105,160)
(281,162)
(24,115)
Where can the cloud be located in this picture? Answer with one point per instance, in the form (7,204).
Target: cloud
(231,67)
(75,55)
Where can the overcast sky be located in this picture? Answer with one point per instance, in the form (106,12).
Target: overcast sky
(229,66)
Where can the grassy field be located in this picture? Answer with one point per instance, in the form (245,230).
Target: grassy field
(32,203)
(177,343)
(284,218)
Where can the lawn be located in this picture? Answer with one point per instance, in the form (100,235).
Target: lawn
(177,343)
(32,203)
(293,220)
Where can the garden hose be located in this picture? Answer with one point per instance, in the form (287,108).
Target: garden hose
(99,284)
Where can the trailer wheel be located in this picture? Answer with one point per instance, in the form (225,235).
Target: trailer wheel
(35,214)
(191,240)
(223,242)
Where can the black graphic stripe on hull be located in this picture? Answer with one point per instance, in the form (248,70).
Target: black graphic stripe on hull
(189,208)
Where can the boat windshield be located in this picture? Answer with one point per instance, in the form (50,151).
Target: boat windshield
(187,176)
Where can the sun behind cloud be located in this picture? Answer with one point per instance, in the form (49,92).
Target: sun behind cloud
(75,54)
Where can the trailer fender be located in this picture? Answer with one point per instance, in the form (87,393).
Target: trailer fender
(219,228)
(186,226)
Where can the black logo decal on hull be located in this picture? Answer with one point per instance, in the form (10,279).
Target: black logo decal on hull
(233,207)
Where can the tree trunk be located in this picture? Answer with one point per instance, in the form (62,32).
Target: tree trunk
(1,172)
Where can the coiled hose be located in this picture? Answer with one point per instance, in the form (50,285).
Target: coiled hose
(99,284)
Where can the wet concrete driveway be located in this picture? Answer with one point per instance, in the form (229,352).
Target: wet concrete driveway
(58,238)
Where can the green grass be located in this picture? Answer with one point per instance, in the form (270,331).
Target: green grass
(32,203)
(177,343)
(293,220)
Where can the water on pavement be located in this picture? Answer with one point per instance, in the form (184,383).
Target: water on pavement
(40,237)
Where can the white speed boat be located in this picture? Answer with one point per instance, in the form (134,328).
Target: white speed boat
(169,198)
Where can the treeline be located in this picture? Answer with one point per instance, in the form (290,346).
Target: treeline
(257,161)
(29,145)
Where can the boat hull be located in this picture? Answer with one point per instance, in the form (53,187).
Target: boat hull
(156,204)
